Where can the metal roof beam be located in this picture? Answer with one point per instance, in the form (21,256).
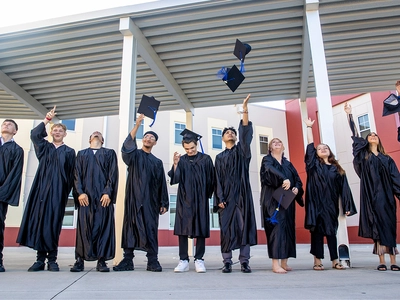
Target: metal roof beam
(155,63)
(10,86)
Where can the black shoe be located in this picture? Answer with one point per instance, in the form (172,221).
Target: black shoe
(2,268)
(102,266)
(37,266)
(154,267)
(53,266)
(227,268)
(79,265)
(245,268)
(124,265)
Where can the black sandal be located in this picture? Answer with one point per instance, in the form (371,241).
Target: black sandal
(394,268)
(381,267)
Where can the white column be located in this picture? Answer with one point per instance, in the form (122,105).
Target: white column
(324,103)
(189,125)
(126,117)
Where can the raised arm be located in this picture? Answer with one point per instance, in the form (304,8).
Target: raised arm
(309,123)
(245,118)
(50,115)
(347,109)
(135,129)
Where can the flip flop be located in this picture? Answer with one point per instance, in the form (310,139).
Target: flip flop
(394,268)
(338,266)
(319,267)
(381,267)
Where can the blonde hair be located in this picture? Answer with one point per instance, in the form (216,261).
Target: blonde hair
(59,125)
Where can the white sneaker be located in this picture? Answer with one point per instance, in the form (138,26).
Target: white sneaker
(183,266)
(200,267)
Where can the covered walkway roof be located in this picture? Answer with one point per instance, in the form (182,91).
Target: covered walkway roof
(75,62)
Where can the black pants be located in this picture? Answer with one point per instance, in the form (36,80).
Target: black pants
(183,247)
(3,213)
(152,256)
(317,245)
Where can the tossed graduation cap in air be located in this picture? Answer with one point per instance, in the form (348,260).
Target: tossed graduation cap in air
(240,51)
(149,107)
(190,135)
(232,77)
(391,105)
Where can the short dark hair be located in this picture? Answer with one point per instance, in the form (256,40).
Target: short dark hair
(229,128)
(189,139)
(12,121)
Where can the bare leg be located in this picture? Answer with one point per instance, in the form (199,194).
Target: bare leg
(276,268)
(284,265)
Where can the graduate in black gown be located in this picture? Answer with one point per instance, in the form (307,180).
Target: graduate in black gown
(95,193)
(233,196)
(276,171)
(326,185)
(146,198)
(45,208)
(11,164)
(195,174)
(379,183)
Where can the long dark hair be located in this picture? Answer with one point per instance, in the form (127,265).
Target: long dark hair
(379,147)
(332,160)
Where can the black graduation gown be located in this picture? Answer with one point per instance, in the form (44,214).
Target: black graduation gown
(44,211)
(281,237)
(237,220)
(146,192)
(379,182)
(195,176)
(325,186)
(96,174)
(11,164)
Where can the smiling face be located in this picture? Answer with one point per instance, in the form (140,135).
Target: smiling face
(58,133)
(323,151)
(191,148)
(373,138)
(276,146)
(149,141)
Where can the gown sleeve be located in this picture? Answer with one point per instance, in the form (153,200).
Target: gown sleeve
(128,147)
(347,197)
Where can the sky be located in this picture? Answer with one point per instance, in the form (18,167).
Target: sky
(16,12)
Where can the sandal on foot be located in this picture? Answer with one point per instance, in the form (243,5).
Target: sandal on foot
(394,268)
(381,267)
(338,266)
(319,267)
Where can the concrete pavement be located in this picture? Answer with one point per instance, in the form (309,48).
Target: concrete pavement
(362,281)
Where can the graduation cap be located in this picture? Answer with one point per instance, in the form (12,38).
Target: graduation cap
(232,77)
(189,135)
(391,105)
(284,197)
(149,107)
(240,51)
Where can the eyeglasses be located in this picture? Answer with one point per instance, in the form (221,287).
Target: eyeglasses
(149,137)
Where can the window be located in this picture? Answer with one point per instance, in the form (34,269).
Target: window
(172,210)
(69,123)
(364,127)
(214,221)
(69,217)
(140,132)
(216,138)
(263,144)
(179,127)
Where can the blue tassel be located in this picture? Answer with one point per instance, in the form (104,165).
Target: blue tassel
(201,146)
(273,219)
(155,113)
(223,73)
(242,70)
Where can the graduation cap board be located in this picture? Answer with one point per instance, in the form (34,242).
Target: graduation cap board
(232,77)
(240,51)
(391,105)
(149,107)
(284,198)
(188,134)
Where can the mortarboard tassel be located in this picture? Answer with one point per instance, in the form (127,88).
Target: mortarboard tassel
(242,70)
(155,113)
(273,219)
(201,146)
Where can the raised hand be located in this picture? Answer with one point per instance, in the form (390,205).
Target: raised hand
(347,108)
(309,122)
